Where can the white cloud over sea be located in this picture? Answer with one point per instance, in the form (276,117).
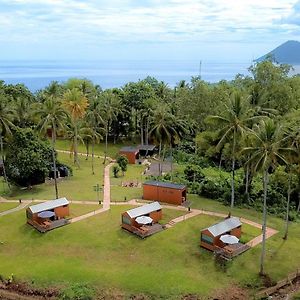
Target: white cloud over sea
(128,28)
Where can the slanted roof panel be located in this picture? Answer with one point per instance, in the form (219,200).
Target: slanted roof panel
(165,184)
(224,226)
(48,205)
(143,210)
(129,149)
(146,147)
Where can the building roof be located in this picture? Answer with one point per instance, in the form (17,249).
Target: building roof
(224,226)
(48,205)
(169,185)
(146,147)
(129,149)
(143,210)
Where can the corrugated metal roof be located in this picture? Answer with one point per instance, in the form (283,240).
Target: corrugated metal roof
(224,226)
(48,205)
(129,149)
(143,210)
(146,147)
(166,184)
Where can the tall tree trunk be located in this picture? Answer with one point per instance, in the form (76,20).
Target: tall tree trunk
(87,146)
(147,131)
(233,173)
(53,135)
(171,148)
(287,208)
(93,144)
(76,162)
(106,141)
(159,154)
(142,131)
(2,156)
(264,225)
(298,208)
(247,184)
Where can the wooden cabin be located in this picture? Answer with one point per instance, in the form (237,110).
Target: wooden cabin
(210,237)
(59,208)
(146,150)
(152,210)
(167,192)
(131,153)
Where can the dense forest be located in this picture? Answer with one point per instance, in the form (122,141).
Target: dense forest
(235,141)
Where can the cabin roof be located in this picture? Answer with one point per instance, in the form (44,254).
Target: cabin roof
(48,205)
(165,184)
(224,226)
(146,147)
(143,210)
(129,149)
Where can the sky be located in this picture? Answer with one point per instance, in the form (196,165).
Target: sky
(216,30)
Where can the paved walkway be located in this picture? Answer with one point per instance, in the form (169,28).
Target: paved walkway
(19,207)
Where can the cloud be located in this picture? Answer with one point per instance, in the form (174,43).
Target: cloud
(99,22)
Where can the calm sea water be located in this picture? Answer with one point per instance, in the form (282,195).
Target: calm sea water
(38,74)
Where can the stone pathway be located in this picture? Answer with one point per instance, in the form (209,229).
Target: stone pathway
(19,207)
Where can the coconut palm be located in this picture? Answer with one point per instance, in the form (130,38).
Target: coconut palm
(52,115)
(234,122)
(268,150)
(92,128)
(6,117)
(164,129)
(110,107)
(76,104)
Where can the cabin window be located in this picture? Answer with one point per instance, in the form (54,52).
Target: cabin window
(29,214)
(207,239)
(126,220)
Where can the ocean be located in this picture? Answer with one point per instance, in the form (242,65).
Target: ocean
(115,73)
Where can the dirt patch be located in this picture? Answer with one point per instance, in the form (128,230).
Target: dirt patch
(23,291)
(234,292)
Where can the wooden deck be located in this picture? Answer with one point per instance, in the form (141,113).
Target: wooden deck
(231,251)
(46,226)
(147,230)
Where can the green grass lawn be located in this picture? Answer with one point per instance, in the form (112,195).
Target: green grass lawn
(6,206)
(98,252)
(77,187)
(112,149)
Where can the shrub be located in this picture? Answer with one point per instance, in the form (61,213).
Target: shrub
(77,292)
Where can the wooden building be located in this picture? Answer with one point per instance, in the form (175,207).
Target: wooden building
(146,150)
(131,153)
(48,215)
(152,210)
(210,237)
(164,192)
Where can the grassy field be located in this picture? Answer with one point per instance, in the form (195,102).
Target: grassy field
(112,149)
(77,187)
(7,206)
(98,252)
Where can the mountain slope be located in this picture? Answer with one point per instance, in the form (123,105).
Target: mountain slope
(288,52)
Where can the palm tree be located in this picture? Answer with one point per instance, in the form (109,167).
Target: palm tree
(266,153)
(92,128)
(52,115)
(111,107)
(163,129)
(76,104)
(6,116)
(234,122)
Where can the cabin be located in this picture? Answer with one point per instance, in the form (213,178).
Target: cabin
(48,215)
(143,220)
(146,150)
(210,237)
(131,153)
(167,192)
